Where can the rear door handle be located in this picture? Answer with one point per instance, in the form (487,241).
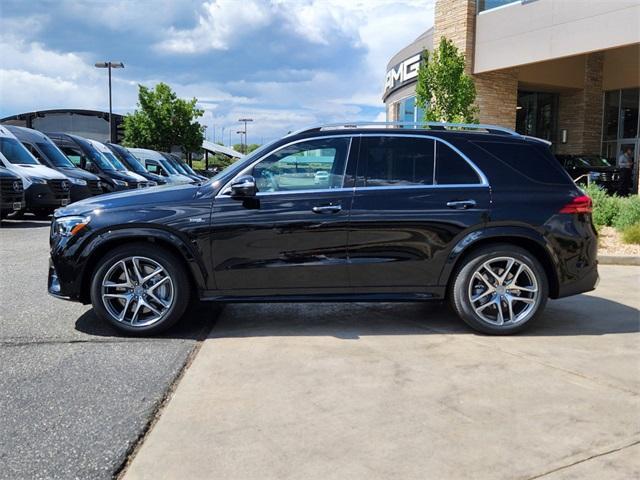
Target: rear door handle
(327,209)
(462,204)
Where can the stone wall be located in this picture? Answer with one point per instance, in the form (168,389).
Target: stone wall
(580,112)
(497,92)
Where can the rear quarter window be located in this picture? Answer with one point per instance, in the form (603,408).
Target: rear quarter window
(528,160)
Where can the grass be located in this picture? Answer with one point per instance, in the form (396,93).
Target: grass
(631,234)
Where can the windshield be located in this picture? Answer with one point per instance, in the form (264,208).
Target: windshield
(15,152)
(168,167)
(55,156)
(96,157)
(175,164)
(131,160)
(188,168)
(593,161)
(116,163)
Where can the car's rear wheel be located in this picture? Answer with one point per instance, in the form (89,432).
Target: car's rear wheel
(500,289)
(140,289)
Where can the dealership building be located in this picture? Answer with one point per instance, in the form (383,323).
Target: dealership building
(564,70)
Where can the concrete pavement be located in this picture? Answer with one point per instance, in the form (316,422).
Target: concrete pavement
(407,391)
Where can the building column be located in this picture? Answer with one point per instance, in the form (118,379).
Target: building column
(497,92)
(580,113)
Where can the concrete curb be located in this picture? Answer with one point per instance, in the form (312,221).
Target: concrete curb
(618,260)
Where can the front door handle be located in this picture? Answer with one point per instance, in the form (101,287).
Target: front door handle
(462,204)
(327,209)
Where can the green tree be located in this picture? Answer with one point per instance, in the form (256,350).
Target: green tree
(444,90)
(239,147)
(163,121)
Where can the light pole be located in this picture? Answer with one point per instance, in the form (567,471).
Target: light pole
(241,132)
(110,65)
(245,120)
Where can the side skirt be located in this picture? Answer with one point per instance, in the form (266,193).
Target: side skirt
(349,297)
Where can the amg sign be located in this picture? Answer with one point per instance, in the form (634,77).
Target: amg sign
(402,73)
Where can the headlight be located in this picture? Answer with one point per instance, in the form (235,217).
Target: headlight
(37,180)
(78,181)
(69,226)
(120,183)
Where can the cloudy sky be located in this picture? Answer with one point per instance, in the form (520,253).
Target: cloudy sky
(285,63)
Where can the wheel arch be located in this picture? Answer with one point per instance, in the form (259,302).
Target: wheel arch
(194,268)
(531,241)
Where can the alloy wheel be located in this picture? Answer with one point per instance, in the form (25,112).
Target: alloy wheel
(503,291)
(137,291)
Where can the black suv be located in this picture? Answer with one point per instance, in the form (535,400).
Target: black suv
(598,170)
(482,217)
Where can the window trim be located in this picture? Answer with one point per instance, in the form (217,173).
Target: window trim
(484,182)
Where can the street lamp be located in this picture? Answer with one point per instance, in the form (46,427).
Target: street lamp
(110,65)
(245,120)
(242,132)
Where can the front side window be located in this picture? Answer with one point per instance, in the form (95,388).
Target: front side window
(311,165)
(397,161)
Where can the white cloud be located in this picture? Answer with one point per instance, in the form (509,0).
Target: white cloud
(221,22)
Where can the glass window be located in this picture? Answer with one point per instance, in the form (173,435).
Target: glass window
(114,161)
(537,114)
(34,152)
(489,4)
(629,113)
(15,152)
(55,156)
(397,161)
(527,160)
(611,105)
(315,164)
(452,169)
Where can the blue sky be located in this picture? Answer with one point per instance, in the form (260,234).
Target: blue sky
(285,63)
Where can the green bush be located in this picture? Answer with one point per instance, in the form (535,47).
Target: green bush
(631,234)
(628,213)
(605,207)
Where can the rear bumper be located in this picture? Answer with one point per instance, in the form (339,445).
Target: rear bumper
(586,283)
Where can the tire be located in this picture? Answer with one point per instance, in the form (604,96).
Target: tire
(489,311)
(169,297)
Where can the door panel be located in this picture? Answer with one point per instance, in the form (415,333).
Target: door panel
(277,242)
(402,237)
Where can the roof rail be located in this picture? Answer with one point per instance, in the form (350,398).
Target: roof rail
(421,125)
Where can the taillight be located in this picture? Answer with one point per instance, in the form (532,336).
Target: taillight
(581,204)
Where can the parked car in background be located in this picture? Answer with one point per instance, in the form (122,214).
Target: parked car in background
(120,167)
(11,192)
(156,163)
(409,215)
(598,170)
(45,189)
(82,183)
(132,163)
(84,154)
(182,167)
(321,177)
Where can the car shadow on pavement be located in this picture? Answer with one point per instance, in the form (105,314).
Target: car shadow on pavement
(16,224)
(194,325)
(580,315)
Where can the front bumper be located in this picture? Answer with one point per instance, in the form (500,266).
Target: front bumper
(43,196)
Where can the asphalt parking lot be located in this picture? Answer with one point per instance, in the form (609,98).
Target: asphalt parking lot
(316,390)
(74,395)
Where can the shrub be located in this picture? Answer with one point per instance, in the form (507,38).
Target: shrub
(628,213)
(605,207)
(631,234)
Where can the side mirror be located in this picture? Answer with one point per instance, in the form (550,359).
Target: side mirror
(243,187)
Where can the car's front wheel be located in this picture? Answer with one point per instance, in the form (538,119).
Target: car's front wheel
(140,289)
(499,289)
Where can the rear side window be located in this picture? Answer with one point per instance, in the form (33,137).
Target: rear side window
(527,160)
(452,169)
(397,161)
